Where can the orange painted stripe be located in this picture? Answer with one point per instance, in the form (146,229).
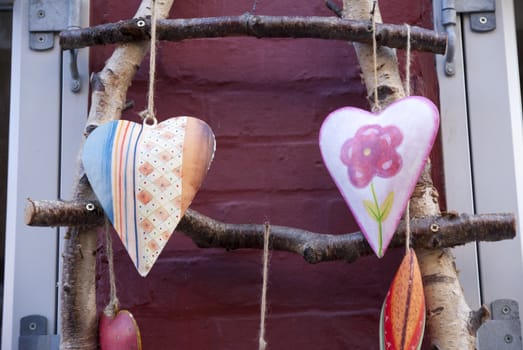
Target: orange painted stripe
(117,178)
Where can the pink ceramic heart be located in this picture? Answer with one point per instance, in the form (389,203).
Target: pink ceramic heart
(120,332)
(376,159)
(145,177)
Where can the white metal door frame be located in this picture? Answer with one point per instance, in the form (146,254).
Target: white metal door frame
(483,150)
(46,123)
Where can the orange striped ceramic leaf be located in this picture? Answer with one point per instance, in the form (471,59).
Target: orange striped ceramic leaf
(402,320)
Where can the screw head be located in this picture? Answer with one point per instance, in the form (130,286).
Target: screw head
(434,227)
(75,87)
(483,20)
(505,309)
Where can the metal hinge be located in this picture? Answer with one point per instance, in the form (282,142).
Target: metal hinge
(482,15)
(503,331)
(33,334)
(47,17)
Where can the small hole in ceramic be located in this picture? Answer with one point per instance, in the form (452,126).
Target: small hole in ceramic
(150,121)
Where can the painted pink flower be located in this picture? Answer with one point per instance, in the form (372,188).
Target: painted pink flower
(372,152)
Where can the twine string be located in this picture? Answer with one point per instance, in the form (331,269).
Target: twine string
(375,56)
(150,115)
(254,4)
(407,227)
(407,63)
(262,343)
(112,308)
(407,92)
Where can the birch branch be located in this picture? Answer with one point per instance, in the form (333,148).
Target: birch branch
(428,232)
(78,289)
(133,30)
(449,318)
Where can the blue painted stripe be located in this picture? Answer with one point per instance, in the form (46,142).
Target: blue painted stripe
(134,197)
(124,212)
(107,166)
(97,162)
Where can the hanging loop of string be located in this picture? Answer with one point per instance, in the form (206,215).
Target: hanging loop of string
(149,115)
(254,4)
(375,56)
(112,308)
(407,62)
(262,343)
(407,93)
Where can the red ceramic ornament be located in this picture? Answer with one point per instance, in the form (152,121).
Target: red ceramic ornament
(120,332)
(402,321)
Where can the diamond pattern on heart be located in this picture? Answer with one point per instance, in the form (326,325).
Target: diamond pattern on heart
(159,187)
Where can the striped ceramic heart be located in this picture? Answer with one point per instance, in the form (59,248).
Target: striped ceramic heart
(146,176)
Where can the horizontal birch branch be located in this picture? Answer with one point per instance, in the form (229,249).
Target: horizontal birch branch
(430,232)
(132,30)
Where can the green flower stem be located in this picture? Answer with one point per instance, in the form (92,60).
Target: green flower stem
(380,226)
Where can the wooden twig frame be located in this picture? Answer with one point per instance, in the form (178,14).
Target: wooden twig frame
(429,232)
(332,28)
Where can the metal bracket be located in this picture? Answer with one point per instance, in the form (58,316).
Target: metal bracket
(33,334)
(503,331)
(47,17)
(482,15)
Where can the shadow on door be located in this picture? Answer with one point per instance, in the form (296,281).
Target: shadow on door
(6,17)
(518,9)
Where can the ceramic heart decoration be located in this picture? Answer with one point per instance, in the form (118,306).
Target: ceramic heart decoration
(402,321)
(120,332)
(145,177)
(376,159)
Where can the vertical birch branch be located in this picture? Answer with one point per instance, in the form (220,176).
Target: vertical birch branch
(78,295)
(449,318)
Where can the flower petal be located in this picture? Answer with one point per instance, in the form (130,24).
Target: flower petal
(388,165)
(360,176)
(393,135)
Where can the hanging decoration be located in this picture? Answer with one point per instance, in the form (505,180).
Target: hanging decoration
(376,159)
(402,321)
(117,329)
(120,332)
(145,177)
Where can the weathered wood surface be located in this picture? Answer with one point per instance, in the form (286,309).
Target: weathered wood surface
(133,30)
(449,317)
(429,232)
(78,290)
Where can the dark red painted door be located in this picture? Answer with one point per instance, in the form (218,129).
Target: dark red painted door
(265,100)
